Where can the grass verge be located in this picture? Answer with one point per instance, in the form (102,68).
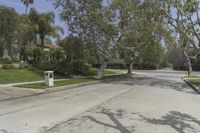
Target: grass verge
(32,74)
(71,81)
(93,71)
(193,79)
(22,75)
(192,76)
(195,82)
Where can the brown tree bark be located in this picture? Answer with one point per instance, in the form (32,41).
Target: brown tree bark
(188,61)
(130,68)
(100,72)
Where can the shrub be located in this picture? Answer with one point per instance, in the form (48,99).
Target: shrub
(10,66)
(37,54)
(6,61)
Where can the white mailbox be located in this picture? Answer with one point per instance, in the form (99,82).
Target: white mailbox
(49,81)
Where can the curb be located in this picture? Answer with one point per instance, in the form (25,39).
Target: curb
(66,87)
(62,88)
(196,88)
(54,89)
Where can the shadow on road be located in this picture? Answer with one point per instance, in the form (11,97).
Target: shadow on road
(156,82)
(176,120)
(181,122)
(114,118)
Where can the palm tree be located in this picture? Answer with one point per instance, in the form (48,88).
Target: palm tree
(27,3)
(44,25)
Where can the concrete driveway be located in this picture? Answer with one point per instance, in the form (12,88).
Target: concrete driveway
(151,102)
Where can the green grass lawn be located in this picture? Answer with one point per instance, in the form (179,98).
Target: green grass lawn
(71,81)
(115,76)
(21,75)
(194,81)
(192,76)
(57,83)
(93,72)
(32,74)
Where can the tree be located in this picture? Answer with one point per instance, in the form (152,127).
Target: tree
(8,30)
(25,37)
(27,3)
(43,25)
(183,18)
(74,50)
(92,22)
(140,26)
(127,27)
(152,56)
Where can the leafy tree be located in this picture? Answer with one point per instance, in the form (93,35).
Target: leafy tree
(127,40)
(176,57)
(25,37)
(92,22)
(37,54)
(182,17)
(8,30)
(152,56)
(27,3)
(56,54)
(43,25)
(73,49)
(140,26)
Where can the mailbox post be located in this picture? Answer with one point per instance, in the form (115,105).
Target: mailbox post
(49,80)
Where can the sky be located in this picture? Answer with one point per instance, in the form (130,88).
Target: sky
(41,5)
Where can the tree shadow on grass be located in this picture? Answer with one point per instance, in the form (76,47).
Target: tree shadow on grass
(176,120)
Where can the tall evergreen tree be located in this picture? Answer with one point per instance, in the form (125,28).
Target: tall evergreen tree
(27,3)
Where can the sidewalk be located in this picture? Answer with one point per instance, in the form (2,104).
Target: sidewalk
(9,92)
(21,83)
(13,92)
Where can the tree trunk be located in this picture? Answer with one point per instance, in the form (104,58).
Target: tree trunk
(5,54)
(26,10)
(100,72)
(130,68)
(42,41)
(188,61)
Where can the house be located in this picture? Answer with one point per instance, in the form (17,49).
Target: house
(48,47)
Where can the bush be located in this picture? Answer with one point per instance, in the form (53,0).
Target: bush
(56,54)
(37,54)
(11,66)
(6,61)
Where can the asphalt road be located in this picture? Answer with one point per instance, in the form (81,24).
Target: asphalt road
(151,102)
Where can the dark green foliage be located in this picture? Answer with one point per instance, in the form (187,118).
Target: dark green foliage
(43,24)
(22,75)
(8,30)
(56,54)
(74,52)
(152,56)
(37,54)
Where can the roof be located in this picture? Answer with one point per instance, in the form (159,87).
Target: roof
(51,46)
